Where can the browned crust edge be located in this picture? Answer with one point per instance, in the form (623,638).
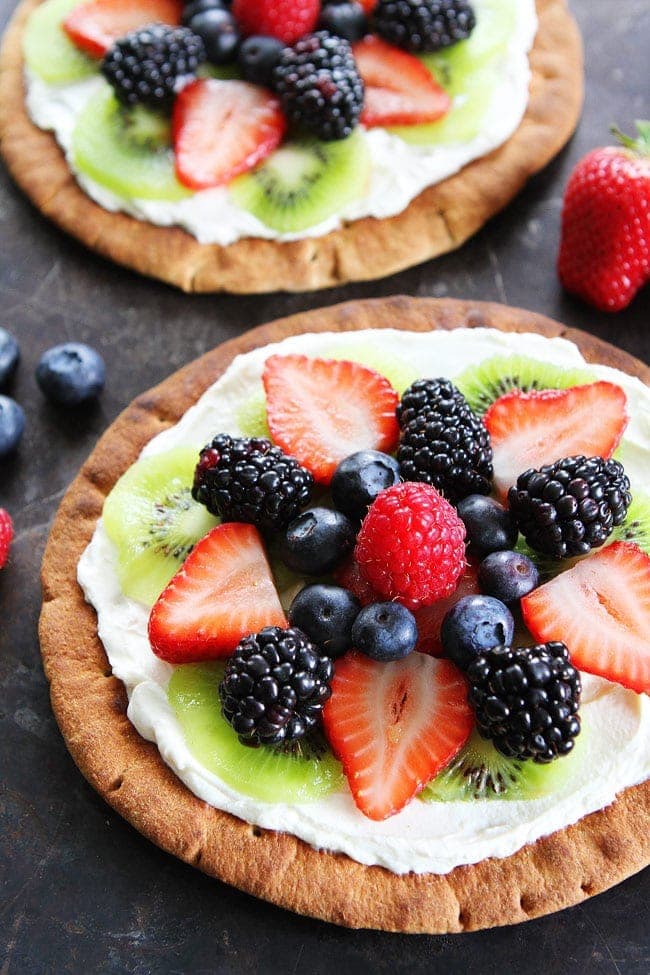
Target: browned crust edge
(90,704)
(438,220)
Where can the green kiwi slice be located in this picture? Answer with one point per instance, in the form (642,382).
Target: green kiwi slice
(127,153)
(495,26)
(49,52)
(153,521)
(479,771)
(304,772)
(483,384)
(636,527)
(251,416)
(305,182)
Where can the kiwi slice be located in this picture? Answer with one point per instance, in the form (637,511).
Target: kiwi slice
(305,182)
(128,153)
(479,771)
(636,527)
(49,52)
(483,384)
(153,521)
(303,772)
(251,416)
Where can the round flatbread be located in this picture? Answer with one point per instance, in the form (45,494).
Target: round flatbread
(90,704)
(440,219)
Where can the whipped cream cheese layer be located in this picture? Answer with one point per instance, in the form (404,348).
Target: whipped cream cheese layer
(424,837)
(399,171)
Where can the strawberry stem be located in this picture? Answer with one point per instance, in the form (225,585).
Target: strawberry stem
(640,145)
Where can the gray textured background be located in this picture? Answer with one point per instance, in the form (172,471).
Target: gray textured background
(80,890)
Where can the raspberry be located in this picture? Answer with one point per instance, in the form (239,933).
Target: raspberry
(6,535)
(285,19)
(411,546)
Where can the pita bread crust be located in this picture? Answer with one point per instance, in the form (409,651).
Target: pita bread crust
(438,220)
(90,704)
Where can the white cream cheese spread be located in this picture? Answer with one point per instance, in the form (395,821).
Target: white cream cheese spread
(399,171)
(423,837)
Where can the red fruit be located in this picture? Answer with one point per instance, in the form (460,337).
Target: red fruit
(95,26)
(411,545)
(394,726)
(429,618)
(531,429)
(223,591)
(601,609)
(398,88)
(6,536)
(285,19)
(322,410)
(349,576)
(222,129)
(368,5)
(605,245)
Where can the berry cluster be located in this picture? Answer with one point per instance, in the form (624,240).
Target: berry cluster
(299,49)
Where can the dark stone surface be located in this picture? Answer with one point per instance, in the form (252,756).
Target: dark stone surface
(80,890)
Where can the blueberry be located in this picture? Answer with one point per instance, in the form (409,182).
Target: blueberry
(475,624)
(346,20)
(71,373)
(12,424)
(489,525)
(219,32)
(257,57)
(316,541)
(326,614)
(360,478)
(9,355)
(507,576)
(385,631)
(198,6)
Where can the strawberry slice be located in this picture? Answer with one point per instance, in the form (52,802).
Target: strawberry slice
(531,429)
(223,591)
(429,618)
(322,410)
(222,129)
(601,609)
(95,26)
(394,726)
(398,88)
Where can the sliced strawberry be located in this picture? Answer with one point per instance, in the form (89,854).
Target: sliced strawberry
(223,591)
(349,576)
(322,410)
(601,609)
(95,26)
(531,429)
(429,618)
(398,88)
(222,129)
(394,726)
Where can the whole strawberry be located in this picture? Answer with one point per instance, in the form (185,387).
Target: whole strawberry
(285,19)
(411,545)
(605,247)
(6,535)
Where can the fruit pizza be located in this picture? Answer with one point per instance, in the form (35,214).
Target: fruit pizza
(386,594)
(266,145)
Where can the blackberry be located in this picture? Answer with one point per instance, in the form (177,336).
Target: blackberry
(423,25)
(526,700)
(248,479)
(146,66)
(319,86)
(443,443)
(274,686)
(569,507)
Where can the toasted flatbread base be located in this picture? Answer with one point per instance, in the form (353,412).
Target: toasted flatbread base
(90,704)
(438,220)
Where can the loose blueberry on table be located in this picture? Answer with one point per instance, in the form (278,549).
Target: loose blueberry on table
(395,642)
